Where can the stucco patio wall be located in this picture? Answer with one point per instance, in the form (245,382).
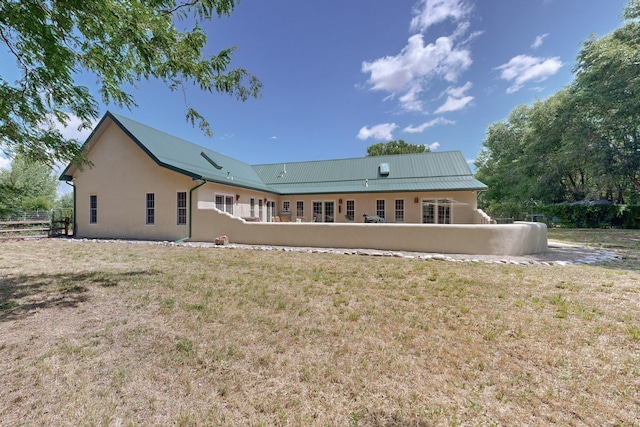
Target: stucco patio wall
(478,239)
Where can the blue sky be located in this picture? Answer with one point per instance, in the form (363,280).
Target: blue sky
(340,75)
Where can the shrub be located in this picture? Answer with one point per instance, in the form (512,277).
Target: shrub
(594,216)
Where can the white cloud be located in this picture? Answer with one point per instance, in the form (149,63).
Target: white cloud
(430,123)
(434,146)
(72,129)
(431,12)
(454,104)
(539,40)
(524,68)
(406,74)
(381,131)
(456,98)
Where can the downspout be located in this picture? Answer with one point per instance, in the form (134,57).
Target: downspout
(184,239)
(74,208)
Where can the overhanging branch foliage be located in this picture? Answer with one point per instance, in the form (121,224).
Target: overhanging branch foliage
(119,42)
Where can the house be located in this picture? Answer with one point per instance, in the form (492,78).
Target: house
(145,184)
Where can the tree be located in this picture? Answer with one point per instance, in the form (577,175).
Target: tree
(545,152)
(121,42)
(581,143)
(65,201)
(607,85)
(28,185)
(395,147)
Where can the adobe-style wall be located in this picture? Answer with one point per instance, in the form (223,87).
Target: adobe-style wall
(476,239)
(120,177)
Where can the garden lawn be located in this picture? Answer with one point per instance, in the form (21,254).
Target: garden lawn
(95,334)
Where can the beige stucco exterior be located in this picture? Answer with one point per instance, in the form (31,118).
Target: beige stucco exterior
(486,239)
(122,174)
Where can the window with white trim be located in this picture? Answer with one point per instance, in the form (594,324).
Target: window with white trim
(260,209)
(300,208)
(151,208)
(329,212)
(181,203)
(93,209)
(439,207)
(317,211)
(351,210)
(399,210)
(252,207)
(224,203)
(444,212)
(380,208)
(286,206)
(428,211)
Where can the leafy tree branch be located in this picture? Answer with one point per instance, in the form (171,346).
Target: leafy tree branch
(121,43)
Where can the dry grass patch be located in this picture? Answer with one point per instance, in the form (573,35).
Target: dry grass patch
(121,334)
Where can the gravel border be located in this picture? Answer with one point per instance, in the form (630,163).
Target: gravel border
(559,254)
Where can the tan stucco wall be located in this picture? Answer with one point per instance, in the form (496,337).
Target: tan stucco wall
(120,177)
(508,239)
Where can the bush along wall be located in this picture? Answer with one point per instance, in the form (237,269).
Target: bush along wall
(593,216)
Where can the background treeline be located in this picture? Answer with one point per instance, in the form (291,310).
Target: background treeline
(581,144)
(30,186)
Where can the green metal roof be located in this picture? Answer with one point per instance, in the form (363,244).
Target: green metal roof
(407,172)
(186,157)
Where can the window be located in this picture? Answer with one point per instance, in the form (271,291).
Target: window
(228,204)
(329,212)
(271,210)
(93,209)
(428,212)
(441,206)
(299,208)
(351,210)
(151,208)
(317,211)
(252,211)
(285,206)
(182,207)
(224,203)
(444,212)
(260,209)
(380,208)
(399,210)
(324,211)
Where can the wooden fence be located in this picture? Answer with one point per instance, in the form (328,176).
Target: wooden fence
(34,228)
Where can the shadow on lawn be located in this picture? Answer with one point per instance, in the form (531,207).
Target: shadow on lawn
(21,295)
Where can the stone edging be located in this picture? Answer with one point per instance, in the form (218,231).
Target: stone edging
(596,256)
